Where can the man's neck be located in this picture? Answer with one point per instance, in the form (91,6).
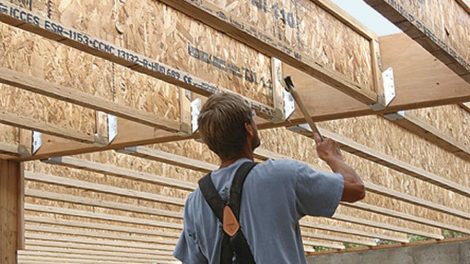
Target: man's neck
(228,162)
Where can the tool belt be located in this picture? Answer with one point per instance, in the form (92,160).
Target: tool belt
(233,242)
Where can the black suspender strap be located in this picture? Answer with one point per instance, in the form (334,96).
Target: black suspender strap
(212,196)
(237,186)
(237,243)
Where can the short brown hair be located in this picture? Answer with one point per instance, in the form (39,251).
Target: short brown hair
(221,123)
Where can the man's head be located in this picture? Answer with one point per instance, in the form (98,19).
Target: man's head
(226,125)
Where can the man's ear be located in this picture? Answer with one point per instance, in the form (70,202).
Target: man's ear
(249,129)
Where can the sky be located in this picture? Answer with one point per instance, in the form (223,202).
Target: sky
(368,16)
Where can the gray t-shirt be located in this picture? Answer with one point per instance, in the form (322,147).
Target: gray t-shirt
(276,194)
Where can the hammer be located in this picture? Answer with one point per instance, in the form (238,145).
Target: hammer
(289,85)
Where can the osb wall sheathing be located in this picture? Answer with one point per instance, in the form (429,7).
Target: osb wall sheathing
(446,19)
(449,119)
(306,27)
(154,30)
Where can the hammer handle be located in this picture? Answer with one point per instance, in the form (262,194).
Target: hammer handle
(304,111)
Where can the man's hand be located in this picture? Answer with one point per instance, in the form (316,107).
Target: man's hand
(328,149)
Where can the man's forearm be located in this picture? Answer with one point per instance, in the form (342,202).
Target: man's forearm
(353,185)
(338,165)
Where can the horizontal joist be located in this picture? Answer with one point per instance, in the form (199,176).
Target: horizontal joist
(108,217)
(219,19)
(100,234)
(10,149)
(98,226)
(26,122)
(323,244)
(58,257)
(82,246)
(129,134)
(385,160)
(74,96)
(424,130)
(131,208)
(169,158)
(34,176)
(339,239)
(382,225)
(121,172)
(32,257)
(100,203)
(404,216)
(97,253)
(350,231)
(96,241)
(108,51)
(414,200)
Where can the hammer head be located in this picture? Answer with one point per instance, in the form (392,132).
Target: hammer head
(288,84)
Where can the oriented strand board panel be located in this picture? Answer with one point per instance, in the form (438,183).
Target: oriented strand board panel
(440,26)
(154,30)
(309,29)
(8,134)
(26,53)
(56,63)
(450,119)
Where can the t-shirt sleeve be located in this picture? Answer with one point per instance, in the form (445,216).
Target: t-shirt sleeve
(187,249)
(317,193)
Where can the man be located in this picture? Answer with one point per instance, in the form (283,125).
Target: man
(276,194)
